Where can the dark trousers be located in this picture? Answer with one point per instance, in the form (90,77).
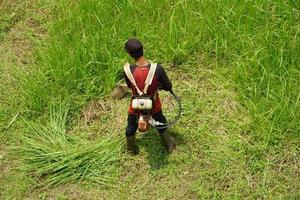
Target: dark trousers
(132,121)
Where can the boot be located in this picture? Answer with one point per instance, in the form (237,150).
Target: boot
(168,141)
(131,148)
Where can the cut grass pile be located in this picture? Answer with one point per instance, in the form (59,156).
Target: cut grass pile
(53,156)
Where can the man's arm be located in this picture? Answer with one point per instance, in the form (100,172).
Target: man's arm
(163,80)
(127,80)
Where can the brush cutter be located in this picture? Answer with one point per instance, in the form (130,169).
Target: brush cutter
(144,103)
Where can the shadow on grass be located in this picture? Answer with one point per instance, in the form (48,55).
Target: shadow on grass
(156,152)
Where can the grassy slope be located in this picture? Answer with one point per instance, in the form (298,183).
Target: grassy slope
(216,157)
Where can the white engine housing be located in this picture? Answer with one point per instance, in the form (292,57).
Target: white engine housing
(142,104)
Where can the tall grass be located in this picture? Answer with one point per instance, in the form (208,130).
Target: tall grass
(261,41)
(83,55)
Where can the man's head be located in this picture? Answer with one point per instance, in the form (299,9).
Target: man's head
(134,48)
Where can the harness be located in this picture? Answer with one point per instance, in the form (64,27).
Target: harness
(148,80)
(142,101)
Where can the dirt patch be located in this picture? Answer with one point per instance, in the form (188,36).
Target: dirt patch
(93,110)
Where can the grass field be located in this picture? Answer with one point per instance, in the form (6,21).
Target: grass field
(235,65)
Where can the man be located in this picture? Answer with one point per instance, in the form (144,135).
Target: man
(139,72)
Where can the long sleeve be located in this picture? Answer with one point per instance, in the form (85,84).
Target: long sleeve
(163,79)
(127,80)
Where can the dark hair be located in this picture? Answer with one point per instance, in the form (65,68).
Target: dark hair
(134,47)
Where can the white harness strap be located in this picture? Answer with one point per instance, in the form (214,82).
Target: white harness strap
(150,76)
(148,80)
(130,77)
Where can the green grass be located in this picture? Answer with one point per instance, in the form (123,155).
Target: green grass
(235,65)
(56,158)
